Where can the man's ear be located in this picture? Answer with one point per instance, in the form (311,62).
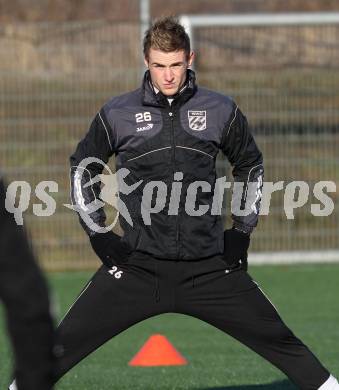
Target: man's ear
(146,62)
(191,58)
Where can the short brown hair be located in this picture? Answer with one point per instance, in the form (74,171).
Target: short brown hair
(166,34)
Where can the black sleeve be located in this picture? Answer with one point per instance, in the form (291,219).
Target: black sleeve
(85,185)
(25,296)
(239,147)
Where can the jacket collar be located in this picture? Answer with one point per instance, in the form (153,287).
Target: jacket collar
(151,98)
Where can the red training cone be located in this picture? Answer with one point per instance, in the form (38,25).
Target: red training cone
(157,351)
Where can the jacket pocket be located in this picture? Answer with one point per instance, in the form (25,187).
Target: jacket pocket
(231,267)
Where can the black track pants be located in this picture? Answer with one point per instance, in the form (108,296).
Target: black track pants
(231,301)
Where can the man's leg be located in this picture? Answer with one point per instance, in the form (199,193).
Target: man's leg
(109,304)
(233,302)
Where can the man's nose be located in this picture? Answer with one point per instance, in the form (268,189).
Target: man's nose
(168,74)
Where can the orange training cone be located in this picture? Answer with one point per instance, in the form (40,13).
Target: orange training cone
(157,351)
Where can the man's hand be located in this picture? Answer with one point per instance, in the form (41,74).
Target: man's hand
(109,248)
(236,245)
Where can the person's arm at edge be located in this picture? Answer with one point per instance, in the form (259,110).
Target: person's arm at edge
(240,148)
(98,143)
(25,295)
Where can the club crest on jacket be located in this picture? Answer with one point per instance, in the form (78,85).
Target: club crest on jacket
(197,120)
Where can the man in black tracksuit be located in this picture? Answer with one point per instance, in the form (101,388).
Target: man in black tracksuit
(174,256)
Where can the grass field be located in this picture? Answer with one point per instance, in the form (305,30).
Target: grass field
(307,297)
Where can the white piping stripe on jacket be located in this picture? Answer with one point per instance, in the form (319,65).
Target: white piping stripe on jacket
(144,154)
(235,115)
(248,178)
(197,150)
(80,200)
(109,141)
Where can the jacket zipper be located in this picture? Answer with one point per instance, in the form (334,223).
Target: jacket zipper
(171,115)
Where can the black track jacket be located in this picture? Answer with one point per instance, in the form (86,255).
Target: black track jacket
(177,142)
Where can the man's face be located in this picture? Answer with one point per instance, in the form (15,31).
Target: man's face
(168,70)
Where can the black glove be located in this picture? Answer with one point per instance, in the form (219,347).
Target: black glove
(236,245)
(109,248)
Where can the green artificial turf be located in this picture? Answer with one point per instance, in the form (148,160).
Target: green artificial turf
(306,296)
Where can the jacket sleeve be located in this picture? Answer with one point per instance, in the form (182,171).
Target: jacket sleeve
(87,162)
(239,147)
